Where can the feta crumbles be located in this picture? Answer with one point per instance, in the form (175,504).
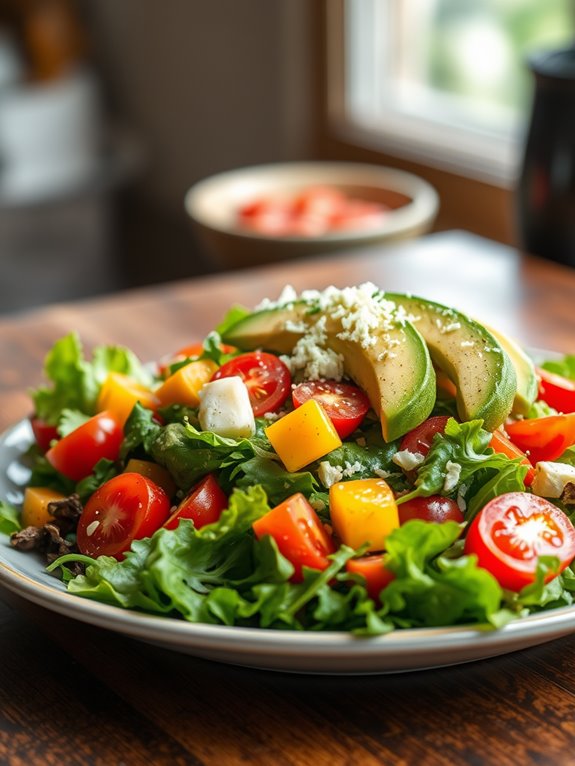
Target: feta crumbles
(551,478)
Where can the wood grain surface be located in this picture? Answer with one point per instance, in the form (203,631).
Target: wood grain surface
(74,694)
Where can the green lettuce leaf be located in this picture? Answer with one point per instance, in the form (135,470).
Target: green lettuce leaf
(9,518)
(76,382)
(564,366)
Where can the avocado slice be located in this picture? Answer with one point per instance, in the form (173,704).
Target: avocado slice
(395,371)
(469,354)
(527,385)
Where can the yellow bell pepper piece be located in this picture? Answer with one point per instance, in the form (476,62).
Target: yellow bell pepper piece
(119,394)
(363,511)
(157,473)
(303,435)
(35,506)
(183,386)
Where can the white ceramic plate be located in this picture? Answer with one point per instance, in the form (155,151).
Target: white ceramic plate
(275,650)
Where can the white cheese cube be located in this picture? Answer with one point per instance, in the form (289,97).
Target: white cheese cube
(551,478)
(225,408)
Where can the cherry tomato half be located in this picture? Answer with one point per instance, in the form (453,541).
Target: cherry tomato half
(500,443)
(204,505)
(267,378)
(299,534)
(420,438)
(76,455)
(344,404)
(434,508)
(126,508)
(543,438)
(557,391)
(43,432)
(371,568)
(512,531)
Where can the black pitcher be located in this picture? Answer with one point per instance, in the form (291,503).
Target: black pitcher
(546,194)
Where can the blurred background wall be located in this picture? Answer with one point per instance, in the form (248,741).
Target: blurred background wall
(183,90)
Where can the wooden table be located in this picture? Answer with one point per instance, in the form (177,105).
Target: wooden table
(73,694)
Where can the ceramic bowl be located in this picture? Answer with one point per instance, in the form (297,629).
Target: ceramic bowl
(214,202)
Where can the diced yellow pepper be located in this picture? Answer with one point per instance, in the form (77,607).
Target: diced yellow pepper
(35,507)
(303,435)
(157,473)
(119,394)
(363,511)
(183,386)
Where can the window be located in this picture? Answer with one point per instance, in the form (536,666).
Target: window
(442,81)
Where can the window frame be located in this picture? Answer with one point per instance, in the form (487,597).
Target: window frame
(478,155)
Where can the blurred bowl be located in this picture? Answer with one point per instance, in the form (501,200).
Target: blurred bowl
(213,206)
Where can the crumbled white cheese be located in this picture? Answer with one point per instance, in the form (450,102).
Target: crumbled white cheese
(311,356)
(352,468)
(288,295)
(382,474)
(408,460)
(551,478)
(329,474)
(452,474)
(225,408)
(460,499)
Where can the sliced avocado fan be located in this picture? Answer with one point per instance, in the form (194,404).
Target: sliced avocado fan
(470,356)
(390,362)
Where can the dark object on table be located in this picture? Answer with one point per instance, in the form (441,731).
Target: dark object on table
(546,194)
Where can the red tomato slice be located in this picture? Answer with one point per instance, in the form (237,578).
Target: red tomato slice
(299,534)
(267,378)
(500,443)
(371,568)
(345,405)
(421,437)
(434,508)
(203,505)
(557,391)
(543,438)
(321,201)
(76,455)
(512,531)
(126,508)
(43,432)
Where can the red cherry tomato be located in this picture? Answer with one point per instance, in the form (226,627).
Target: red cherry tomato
(193,351)
(358,214)
(43,432)
(299,534)
(126,508)
(557,391)
(500,443)
(203,505)
(267,378)
(435,508)
(421,437)
(345,405)
(76,455)
(512,531)
(371,568)
(543,438)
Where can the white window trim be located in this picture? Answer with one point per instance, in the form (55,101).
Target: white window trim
(461,150)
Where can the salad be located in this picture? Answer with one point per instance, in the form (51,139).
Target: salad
(345,459)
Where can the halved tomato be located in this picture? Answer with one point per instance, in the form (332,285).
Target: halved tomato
(76,454)
(420,438)
(558,392)
(434,508)
(344,404)
(203,505)
(512,531)
(544,438)
(267,378)
(126,508)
